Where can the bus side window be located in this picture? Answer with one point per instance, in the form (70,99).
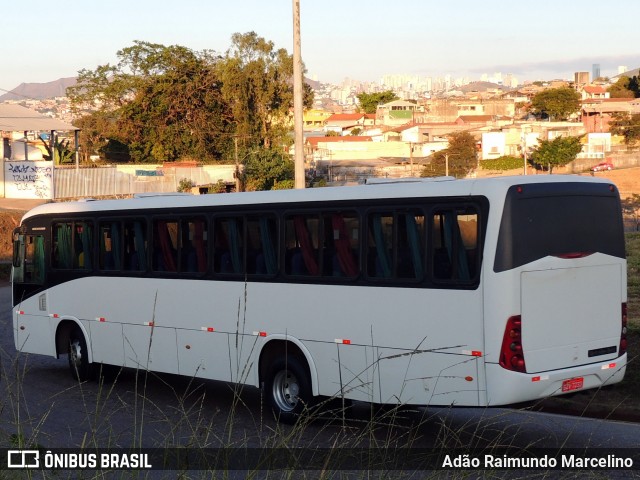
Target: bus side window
(228,245)
(72,245)
(110,246)
(380,245)
(410,246)
(341,249)
(62,246)
(454,248)
(302,233)
(135,246)
(165,246)
(262,242)
(193,252)
(33,266)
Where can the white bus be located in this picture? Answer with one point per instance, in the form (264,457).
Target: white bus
(429,292)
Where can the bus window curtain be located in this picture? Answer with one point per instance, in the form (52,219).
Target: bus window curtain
(267,247)
(234,245)
(198,241)
(347,263)
(38,259)
(165,247)
(116,249)
(413,238)
(140,254)
(65,258)
(85,238)
(453,239)
(381,251)
(305,245)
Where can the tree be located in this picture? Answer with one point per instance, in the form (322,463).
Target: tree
(556,153)
(257,86)
(161,103)
(626,125)
(460,156)
(556,103)
(620,89)
(369,101)
(266,169)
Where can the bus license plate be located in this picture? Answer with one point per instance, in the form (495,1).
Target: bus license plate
(572,384)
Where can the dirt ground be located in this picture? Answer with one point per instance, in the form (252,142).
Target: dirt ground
(9,219)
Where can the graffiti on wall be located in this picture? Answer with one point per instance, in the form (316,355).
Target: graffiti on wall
(25,179)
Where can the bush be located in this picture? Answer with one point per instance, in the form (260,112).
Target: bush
(505,162)
(185,185)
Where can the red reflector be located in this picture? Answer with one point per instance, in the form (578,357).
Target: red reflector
(612,365)
(468,379)
(263,334)
(476,353)
(535,379)
(209,329)
(20,312)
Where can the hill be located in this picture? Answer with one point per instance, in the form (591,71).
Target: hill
(40,91)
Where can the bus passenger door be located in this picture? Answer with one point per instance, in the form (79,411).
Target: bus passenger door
(32,324)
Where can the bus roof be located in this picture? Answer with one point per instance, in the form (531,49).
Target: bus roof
(380,189)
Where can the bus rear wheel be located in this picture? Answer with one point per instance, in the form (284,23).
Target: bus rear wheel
(81,368)
(287,389)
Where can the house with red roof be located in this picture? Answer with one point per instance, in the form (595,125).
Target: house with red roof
(593,91)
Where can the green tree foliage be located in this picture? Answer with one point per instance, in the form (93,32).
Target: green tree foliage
(460,156)
(61,153)
(369,101)
(623,88)
(556,103)
(267,169)
(163,103)
(626,125)
(556,153)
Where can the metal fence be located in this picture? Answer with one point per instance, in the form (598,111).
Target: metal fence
(96,182)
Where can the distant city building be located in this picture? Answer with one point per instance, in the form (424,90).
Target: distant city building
(581,78)
(595,70)
(622,69)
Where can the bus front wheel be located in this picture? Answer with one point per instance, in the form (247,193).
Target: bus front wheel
(81,369)
(287,389)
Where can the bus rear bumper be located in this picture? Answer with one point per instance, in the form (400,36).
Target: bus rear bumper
(505,387)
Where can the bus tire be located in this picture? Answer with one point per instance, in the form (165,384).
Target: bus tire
(81,368)
(287,389)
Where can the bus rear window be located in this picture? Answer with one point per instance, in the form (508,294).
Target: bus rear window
(558,219)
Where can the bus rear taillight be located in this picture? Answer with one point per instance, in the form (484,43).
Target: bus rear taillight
(623,331)
(511,354)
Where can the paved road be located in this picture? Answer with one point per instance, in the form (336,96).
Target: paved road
(41,404)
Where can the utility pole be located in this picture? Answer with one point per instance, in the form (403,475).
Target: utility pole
(297,99)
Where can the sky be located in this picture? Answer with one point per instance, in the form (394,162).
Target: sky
(42,41)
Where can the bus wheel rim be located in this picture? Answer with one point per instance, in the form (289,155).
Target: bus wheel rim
(76,353)
(285,390)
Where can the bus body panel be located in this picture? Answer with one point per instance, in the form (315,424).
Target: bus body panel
(570,316)
(33,332)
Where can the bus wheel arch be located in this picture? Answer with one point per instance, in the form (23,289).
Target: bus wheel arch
(285,375)
(72,339)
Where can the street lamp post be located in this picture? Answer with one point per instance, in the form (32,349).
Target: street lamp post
(446,162)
